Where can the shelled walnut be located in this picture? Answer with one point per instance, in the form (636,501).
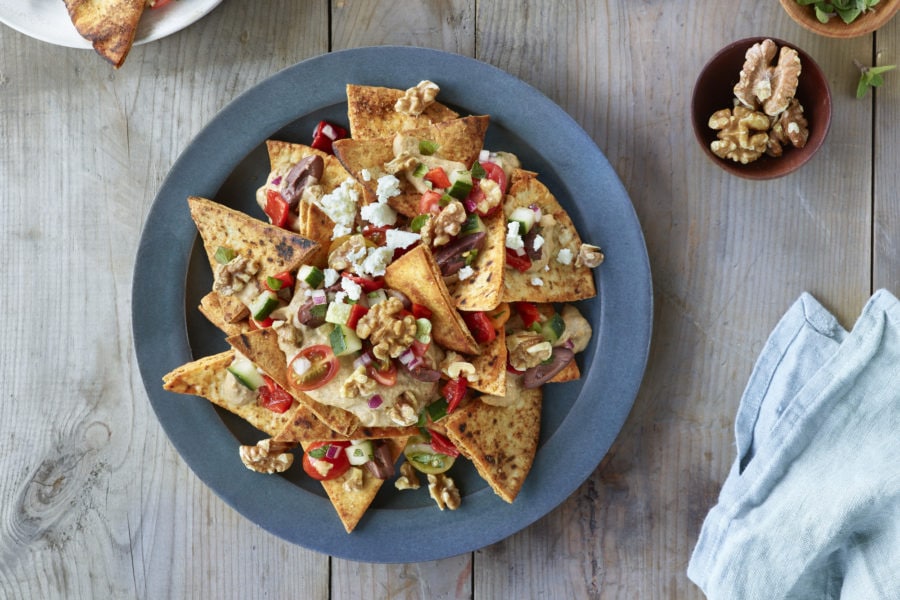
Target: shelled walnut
(766,116)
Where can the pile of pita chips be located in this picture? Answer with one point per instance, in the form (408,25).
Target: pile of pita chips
(477,318)
(110,25)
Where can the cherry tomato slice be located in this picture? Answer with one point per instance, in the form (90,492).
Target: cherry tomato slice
(274,397)
(324,366)
(420,311)
(454,391)
(376,233)
(438,177)
(356,313)
(326,460)
(367,285)
(442,445)
(430,202)
(519,263)
(529,313)
(386,376)
(480,326)
(494,172)
(277,208)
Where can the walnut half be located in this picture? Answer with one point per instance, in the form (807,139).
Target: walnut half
(766,86)
(743,134)
(416,99)
(267,456)
(444,492)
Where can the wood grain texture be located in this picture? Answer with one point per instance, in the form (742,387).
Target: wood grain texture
(95,502)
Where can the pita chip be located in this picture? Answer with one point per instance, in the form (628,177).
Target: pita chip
(558,282)
(501,441)
(371,112)
(206,377)
(211,308)
(483,290)
(110,25)
(491,367)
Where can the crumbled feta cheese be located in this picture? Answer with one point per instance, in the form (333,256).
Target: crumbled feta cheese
(366,175)
(340,297)
(301,365)
(340,231)
(388,187)
(377,261)
(537,281)
(513,239)
(465,273)
(397,238)
(331,277)
(353,289)
(379,214)
(538,241)
(340,204)
(564,256)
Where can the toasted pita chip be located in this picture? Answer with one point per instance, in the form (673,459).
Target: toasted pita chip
(110,25)
(491,367)
(273,248)
(459,140)
(558,282)
(371,113)
(570,372)
(206,377)
(418,276)
(483,290)
(500,441)
(211,308)
(351,504)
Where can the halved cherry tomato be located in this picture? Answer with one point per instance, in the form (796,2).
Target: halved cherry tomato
(480,326)
(529,313)
(420,311)
(274,397)
(326,460)
(385,375)
(519,263)
(324,366)
(277,208)
(442,445)
(494,172)
(367,285)
(430,202)
(419,348)
(376,233)
(453,392)
(356,313)
(438,177)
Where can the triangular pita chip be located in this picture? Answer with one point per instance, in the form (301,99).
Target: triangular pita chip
(570,372)
(110,25)
(351,505)
(484,288)
(419,278)
(501,441)
(371,113)
(559,282)
(211,308)
(459,140)
(491,367)
(206,377)
(275,249)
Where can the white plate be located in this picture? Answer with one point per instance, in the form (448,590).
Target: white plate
(48,20)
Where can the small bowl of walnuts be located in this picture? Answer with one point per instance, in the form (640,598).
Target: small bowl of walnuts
(841,18)
(761,107)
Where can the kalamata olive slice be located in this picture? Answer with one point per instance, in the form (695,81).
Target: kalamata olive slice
(544,372)
(425,374)
(306,316)
(449,258)
(304,173)
(381,465)
(528,241)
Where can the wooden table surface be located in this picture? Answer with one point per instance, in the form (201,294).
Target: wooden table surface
(94,500)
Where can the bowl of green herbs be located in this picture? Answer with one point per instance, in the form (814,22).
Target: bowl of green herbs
(841,18)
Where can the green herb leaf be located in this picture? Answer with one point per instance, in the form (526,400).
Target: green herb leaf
(319,452)
(418,222)
(427,147)
(224,255)
(478,171)
(274,284)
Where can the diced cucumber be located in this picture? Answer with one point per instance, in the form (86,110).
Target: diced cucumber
(553,328)
(310,275)
(423,330)
(359,452)
(245,372)
(338,313)
(263,305)
(344,341)
(460,184)
(472,224)
(420,170)
(376,297)
(524,217)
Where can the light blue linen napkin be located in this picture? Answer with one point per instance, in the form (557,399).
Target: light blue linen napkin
(811,506)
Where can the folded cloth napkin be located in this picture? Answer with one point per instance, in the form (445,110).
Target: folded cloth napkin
(811,506)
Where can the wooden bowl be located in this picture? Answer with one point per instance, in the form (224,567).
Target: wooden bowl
(714,90)
(835,27)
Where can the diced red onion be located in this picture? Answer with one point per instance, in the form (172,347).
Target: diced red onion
(569,344)
(319,297)
(375,401)
(406,357)
(333,451)
(415,362)
(537,212)
(364,360)
(276,180)
(469,205)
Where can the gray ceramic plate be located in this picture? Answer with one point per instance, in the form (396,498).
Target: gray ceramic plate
(227,161)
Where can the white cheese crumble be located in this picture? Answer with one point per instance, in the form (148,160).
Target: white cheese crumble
(301,365)
(331,277)
(388,187)
(378,214)
(397,238)
(353,289)
(513,239)
(564,256)
(538,241)
(340,204)
(465,273)
(366,175)
(537,281)
(377,261)
(340,231)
